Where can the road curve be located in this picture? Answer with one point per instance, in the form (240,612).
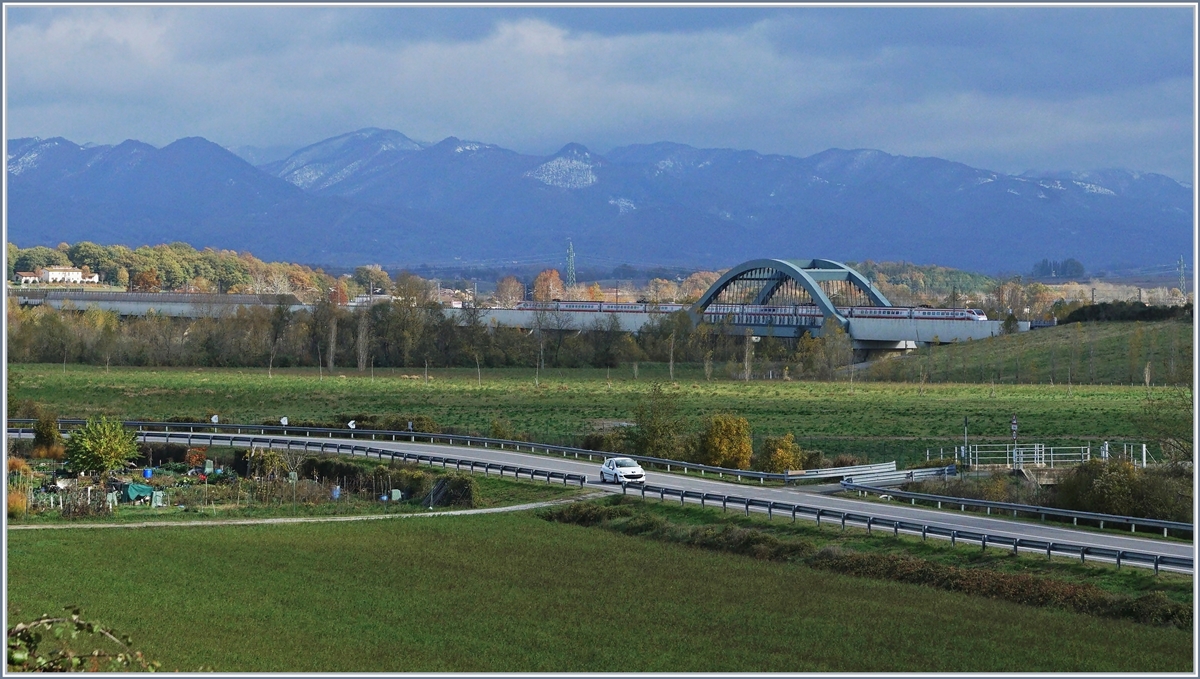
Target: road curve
(993,525)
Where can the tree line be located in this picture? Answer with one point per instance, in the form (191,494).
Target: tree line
(405,333)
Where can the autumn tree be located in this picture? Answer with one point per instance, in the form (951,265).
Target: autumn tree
(509,291)
(548,286)
(147,280)
(725,442)
(696,284)
(661,290)
(780,454)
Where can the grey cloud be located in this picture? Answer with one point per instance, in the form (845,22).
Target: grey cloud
(1002,88)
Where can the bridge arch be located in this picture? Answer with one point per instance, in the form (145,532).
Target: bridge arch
(792,281)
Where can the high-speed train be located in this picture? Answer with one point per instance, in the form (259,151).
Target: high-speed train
(802,310)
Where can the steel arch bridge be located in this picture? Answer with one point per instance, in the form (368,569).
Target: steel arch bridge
(823,283)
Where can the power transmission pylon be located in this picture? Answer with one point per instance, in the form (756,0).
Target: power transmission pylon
(570,264)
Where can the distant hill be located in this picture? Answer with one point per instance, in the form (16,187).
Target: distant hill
(378,196)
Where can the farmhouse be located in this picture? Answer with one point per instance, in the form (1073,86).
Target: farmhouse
(55,274)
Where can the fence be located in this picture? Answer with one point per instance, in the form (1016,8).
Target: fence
(1032,510)
(925,530)
(1017,456)
(520,446)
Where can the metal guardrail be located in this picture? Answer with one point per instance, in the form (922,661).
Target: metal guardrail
(1074,515)
(250,441)
(924,529)
(901,476)
(503,444)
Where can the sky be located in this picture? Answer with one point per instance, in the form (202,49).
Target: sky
(1008,89)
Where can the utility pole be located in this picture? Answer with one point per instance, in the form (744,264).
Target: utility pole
(1182,289)
(570,264)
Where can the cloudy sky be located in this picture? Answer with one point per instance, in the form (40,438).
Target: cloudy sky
(1003,88)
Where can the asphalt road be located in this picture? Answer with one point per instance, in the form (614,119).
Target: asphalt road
(993,525)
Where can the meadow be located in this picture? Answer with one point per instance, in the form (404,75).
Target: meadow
(877,420)
(513,592)
(1078,353)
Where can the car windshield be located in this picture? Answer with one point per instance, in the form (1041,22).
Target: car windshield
(626,463)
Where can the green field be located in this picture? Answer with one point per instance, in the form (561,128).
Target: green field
(1079,353)
(880,420)
(515,593)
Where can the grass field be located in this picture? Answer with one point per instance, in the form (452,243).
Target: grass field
(1081,353)
(516,593)
(881,420)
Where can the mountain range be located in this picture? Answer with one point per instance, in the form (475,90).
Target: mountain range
(377,196)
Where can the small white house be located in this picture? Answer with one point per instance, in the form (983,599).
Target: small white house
(25,277)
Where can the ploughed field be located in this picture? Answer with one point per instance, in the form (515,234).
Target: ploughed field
(880,420)
(513,592)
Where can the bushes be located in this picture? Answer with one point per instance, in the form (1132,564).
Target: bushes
(421,423)
(17,504)
(329,468)
(1019,588)
(1117,487)
(585,513)
(461,490)
(611,441)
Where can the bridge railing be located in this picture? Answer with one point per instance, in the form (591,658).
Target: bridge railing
(1035,510)
(870,521)
(1026,455)
(519,446)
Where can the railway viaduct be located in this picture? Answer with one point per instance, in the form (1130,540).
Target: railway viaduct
(824,284)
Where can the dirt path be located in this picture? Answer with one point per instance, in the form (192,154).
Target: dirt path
(307,519)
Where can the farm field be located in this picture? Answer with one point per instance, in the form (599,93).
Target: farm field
(516,593)
(879,420)
(1081,353)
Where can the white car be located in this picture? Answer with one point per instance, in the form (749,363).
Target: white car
(621,470)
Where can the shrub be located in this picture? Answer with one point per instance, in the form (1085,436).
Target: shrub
(17,504)
(612,441)
(329,467)
(195,457)
(56,452)
(16,464)
(846,460)
(500,429)
(20,447)
(461,490)
(584,513)
(421,423)
(45,430)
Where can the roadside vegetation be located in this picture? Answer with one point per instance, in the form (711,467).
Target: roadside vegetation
(516,593)
(1133,594)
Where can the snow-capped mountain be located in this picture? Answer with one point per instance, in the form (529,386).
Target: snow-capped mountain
(377,195)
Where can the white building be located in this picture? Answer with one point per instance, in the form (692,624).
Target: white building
(66,274)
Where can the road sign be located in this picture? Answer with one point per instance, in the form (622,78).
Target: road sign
(214,419)
(1014,428)
(283,421)
(350,424)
